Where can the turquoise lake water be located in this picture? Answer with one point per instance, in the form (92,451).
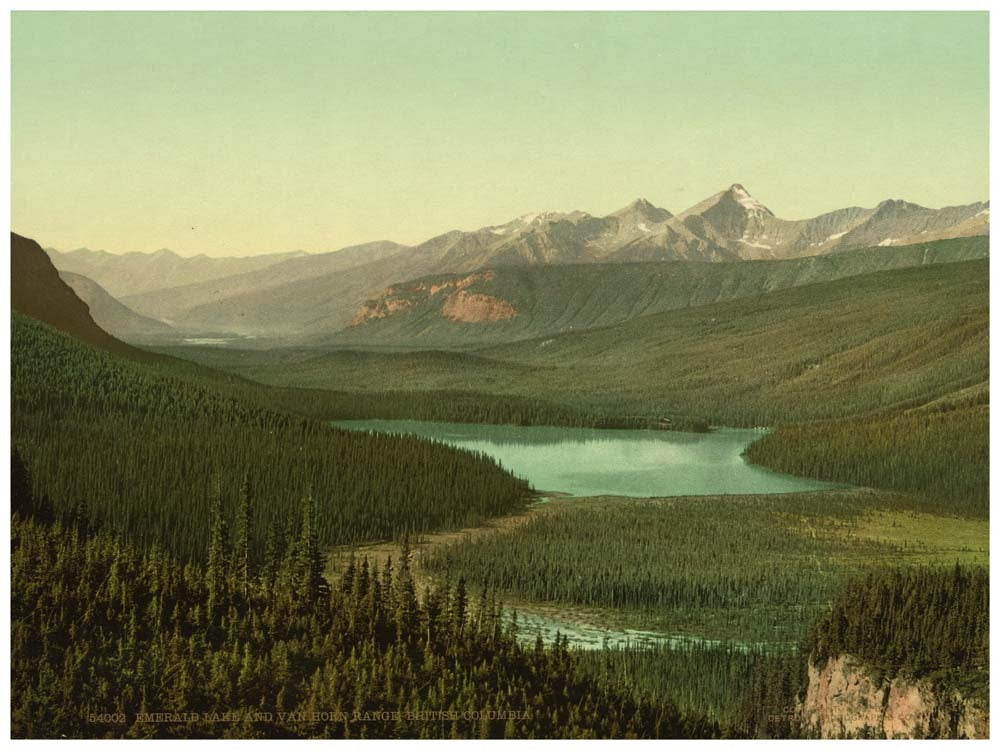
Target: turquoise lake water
(633,463)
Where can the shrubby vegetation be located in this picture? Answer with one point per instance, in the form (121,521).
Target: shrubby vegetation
(138,450)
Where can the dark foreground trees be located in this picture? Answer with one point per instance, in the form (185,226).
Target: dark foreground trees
(107,642)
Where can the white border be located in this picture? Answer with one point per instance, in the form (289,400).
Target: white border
(455,5)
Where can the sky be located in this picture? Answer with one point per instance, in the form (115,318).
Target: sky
(247,133)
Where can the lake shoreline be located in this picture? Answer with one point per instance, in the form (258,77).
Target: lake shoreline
(587,462)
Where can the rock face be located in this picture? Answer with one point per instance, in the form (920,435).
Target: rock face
(459,305)
(844,700)
(476,308)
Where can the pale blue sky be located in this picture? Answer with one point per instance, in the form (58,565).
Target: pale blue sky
(255,132)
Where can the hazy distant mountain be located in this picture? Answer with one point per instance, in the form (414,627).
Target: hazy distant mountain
(318,294)
(171,303)
(113,316)
(511,303)
(130,273)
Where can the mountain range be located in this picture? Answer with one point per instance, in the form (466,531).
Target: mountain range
(509,303)
(134,272)
(308,297)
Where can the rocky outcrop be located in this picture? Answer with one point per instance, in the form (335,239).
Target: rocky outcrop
(844,699)
(380,308)
(460,305)
(466,307)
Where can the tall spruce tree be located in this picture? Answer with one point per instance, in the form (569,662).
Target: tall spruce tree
(218,553)
(241,545)
(310,559)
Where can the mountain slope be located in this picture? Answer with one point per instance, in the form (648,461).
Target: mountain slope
(114,317)
(861,345)
(504,304)
(37,291)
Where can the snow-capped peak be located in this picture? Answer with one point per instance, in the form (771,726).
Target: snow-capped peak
(748,202)
(538,218)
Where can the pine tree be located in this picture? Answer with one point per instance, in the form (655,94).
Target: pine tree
(407,609)
(459,604)
(310,559)
(242,541)
(218,552)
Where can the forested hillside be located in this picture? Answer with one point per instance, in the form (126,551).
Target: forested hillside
(941,454)
(877,342)
(139,449)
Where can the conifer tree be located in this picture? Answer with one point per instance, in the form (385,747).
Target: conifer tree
(218,552)
(241,546)
(310,559)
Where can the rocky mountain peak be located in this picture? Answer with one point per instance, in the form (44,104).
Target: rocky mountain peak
(742,196)
(642,210)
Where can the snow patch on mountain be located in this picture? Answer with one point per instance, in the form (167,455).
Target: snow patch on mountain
(748,202)
(831,238)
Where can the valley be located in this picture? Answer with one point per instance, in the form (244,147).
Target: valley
(665,469)
(879,342)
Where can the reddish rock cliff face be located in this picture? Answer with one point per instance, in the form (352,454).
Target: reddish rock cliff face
(476,308)
(459,305)
(379,308)
(844,700)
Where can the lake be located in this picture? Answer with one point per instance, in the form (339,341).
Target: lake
(633,463)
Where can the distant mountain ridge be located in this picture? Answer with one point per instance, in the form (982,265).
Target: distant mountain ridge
(167,303)
(518,302)
(134,272)
(322,293)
